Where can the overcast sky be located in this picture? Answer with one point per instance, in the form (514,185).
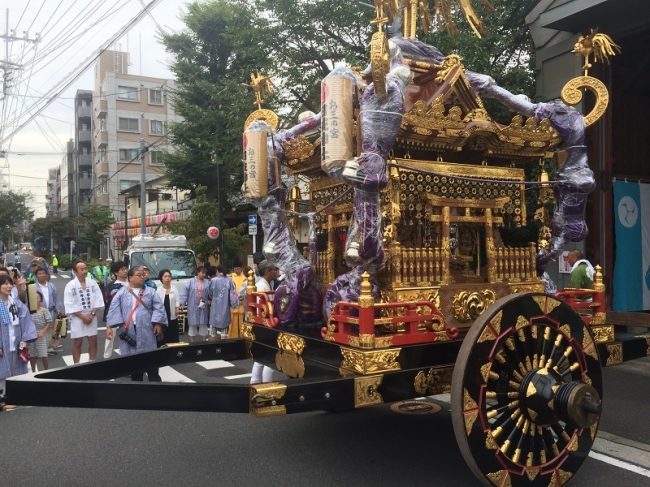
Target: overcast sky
(68,38)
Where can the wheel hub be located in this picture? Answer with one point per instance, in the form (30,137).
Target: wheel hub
(547,399)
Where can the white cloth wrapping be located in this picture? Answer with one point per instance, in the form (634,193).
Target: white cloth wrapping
(590,269)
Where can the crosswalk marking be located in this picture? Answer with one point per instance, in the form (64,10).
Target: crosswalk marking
(65,277)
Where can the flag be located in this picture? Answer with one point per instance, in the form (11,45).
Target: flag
(632,228)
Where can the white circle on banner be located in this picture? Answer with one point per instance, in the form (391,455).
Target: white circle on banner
(628,213)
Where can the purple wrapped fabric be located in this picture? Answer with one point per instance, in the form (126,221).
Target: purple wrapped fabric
(279,246)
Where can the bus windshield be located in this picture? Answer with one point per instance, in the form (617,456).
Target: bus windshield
(181,263)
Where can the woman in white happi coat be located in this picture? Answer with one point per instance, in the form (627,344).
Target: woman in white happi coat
(137,310)
(194,296)
(82,299)
(16,330)
(224,297)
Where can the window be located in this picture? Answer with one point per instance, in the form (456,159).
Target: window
(128,124)
(166,196)
(156,127)
(156,159)
(128,155)
(155,97)
(127,183)
(103,185)
(130,93)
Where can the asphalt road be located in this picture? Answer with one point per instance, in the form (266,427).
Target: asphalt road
(370,447)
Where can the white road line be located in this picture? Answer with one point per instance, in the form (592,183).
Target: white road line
(82,360)
(65,277)
(168,374)
(240,376)
(215,364)
(619,463)
(53,277)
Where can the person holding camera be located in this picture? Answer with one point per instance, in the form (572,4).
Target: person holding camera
(81,299)
(194,296)
(139,316)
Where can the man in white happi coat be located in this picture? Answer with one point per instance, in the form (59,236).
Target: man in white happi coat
(139,315)
(51,301)
(82,298)
(194,296)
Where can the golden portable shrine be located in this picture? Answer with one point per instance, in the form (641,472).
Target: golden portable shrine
(406,288)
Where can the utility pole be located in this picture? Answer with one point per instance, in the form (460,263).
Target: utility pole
(143,189)
(8,69)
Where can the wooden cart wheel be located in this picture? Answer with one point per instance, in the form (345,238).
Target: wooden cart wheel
(526,393)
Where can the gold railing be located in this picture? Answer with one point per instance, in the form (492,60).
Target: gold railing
(416,266)
(514,264)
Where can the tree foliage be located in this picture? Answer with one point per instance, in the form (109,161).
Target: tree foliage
(94,225)
(212,57)
(504,52)
(53,226)
(13,211)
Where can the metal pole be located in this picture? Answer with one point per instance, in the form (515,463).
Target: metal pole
(221,256)
(143,189)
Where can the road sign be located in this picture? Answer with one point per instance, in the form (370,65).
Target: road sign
(252,229)
(213,233)
(252,220)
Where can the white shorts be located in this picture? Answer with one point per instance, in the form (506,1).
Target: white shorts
(217,332)
(193,330)
(78,329)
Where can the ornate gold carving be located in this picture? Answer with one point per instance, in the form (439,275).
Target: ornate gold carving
(573,445)
(521,322)
(551,304)
(291,343)
(247,332)
(486,335)
(366,391)
(448,64)
(603,334)
(500,478)
(519,131)
(571,95)
(370,362)
(406,295)
(264,115)
(485,372)
(290,364)
(615,354)
(366,341)
(262,397)
(564,476)
(532,473)
(600,45)
(469,306)
(436,381)
(593,429)
(490,442)
(298,149)
(496,321)
(434,118)
(599,318)
(379,61)
(478,115)
(566,329)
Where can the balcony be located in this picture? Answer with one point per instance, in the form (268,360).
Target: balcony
(85,159)
(85,135)
(101,138)
(85,183)
(84,112)
(101,108)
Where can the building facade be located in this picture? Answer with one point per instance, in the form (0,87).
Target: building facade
(53,194)
(83,161)
(68,189)
(127,107)
(618,143)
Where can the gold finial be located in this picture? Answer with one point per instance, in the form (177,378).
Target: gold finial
(600,45)
(261,86)
(598,285)
(366,287)
(251,288)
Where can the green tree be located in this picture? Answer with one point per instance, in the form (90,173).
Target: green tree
(94,225)
(212,57)
(504,52)
(13,211)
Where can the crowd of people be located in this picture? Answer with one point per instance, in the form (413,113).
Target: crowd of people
(142,315)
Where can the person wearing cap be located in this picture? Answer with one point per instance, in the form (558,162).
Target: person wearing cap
(240,280)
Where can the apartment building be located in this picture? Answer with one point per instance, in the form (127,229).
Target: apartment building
(125,107)
(53,194)
(83,161)
(68,189)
